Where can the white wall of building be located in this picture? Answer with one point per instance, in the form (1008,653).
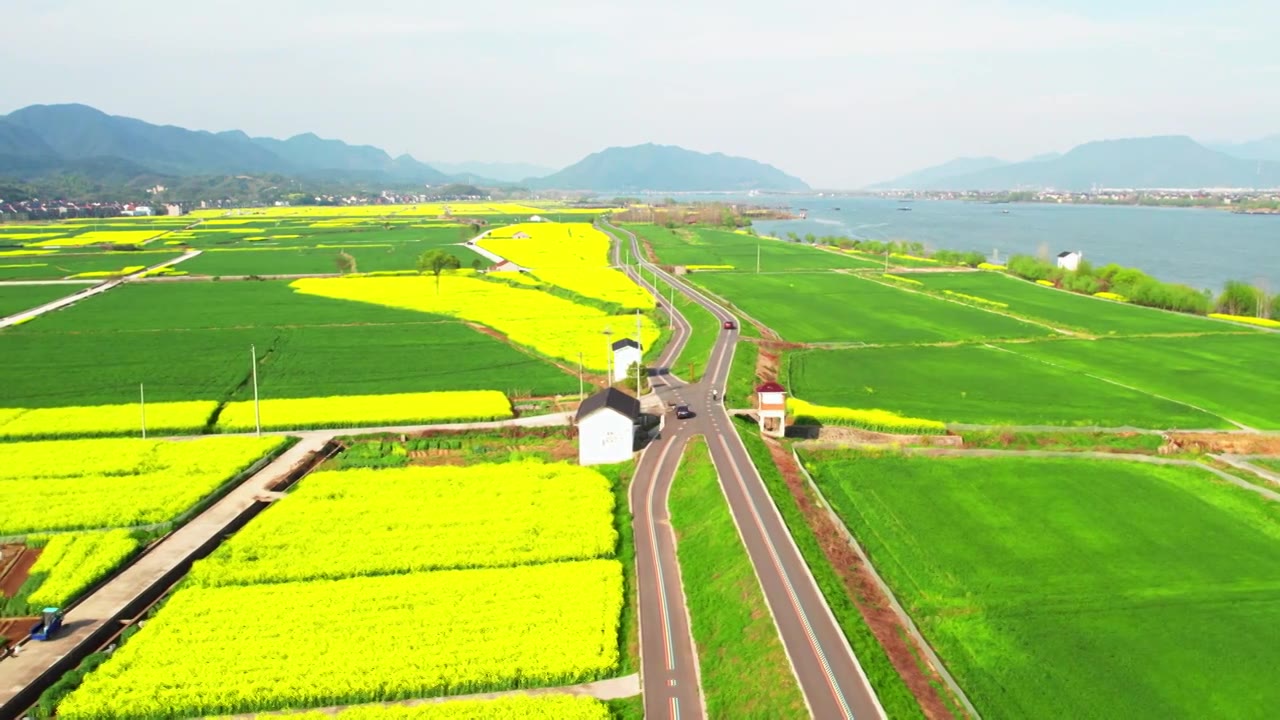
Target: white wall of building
(605,437)
(1070,261)
(623,358)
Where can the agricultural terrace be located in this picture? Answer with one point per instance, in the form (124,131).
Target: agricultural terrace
(1065,309)
(981,385)
(738,250)
(573,256)
(534,619)
(1054,587)
(841,308)
(86,505)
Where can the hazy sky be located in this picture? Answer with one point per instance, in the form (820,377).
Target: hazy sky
(841,93)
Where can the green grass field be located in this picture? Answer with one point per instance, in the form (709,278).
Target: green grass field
(835,307)
(980,385)
(706,246)
(190,340)
(1268,463)
(16,298)
(1073,588)
(745,673)
(317,260)
(61,265)
(1230,375)
(1068,310)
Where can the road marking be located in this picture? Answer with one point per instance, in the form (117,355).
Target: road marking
(786,580)
(657,563)
(675,708)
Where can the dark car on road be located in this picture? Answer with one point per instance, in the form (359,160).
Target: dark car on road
(683,412)
(730,325)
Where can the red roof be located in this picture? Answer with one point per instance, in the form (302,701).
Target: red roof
(770,387)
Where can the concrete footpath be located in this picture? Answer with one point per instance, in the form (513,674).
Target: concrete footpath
(89,623)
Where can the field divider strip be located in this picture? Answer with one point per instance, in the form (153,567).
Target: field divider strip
(907,622)
(993,311)
(1117,383)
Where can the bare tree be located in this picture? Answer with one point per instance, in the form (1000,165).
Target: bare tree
(346,264)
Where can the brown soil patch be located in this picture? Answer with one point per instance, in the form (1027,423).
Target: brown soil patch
(876,610)
(15,564)
(766,364)
(1232,443)
(14,629)
(648,251)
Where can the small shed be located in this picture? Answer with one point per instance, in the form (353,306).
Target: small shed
(1070,259)
(536,218)
(626,352)
(521,235)
(771,408)
(606,427)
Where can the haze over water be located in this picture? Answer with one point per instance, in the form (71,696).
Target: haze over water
(1197,247)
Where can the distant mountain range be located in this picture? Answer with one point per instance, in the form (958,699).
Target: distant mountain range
(502,172)
(666,168)
(43,141)
(1152,162)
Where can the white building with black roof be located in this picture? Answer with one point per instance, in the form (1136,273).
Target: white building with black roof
(607,427)
(626,352)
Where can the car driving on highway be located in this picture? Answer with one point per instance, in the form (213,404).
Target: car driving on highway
(683,412)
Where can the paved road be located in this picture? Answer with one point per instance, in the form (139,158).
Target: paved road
(833,683)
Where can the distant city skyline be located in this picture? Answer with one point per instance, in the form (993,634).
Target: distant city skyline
(841,94)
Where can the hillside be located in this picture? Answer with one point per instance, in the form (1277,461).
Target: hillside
(43,140)
(926,178)
(1267,148)
(500,171)
(666,168)
(1154,162)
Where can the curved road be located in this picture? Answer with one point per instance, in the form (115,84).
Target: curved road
(833,683)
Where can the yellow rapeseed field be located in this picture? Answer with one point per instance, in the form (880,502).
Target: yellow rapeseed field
(574,256)
(93,237)
(169,418)
(553,326)
(347,523)
(255,648)
(877,420)
(63,485)
(70,563)
(367,410)
(1261,322)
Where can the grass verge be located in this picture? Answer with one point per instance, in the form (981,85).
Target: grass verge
(745,673)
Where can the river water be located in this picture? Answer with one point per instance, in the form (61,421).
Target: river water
(1197,247)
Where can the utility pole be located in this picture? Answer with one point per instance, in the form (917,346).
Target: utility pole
(257,411)
(886,259)
(640,362)
(579,375)
(608,355)
(142,402)
(757,258)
